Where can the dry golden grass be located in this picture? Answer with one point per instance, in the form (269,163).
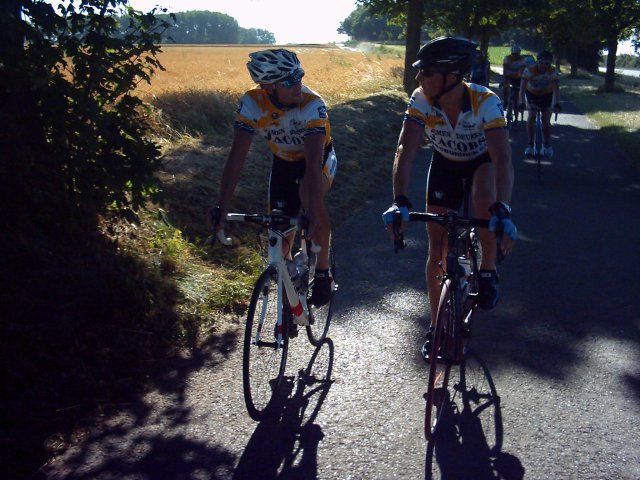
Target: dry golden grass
(195,98)
(338,74)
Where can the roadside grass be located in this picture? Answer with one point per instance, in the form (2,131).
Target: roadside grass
(617,113)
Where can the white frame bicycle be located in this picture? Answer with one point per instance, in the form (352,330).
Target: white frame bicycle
(270,318)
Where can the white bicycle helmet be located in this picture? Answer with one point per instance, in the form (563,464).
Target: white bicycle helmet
(270,66)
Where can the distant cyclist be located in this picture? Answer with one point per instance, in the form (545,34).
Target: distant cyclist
(512,68)
(480,70)
(293,120)
(541,89)
(468,131)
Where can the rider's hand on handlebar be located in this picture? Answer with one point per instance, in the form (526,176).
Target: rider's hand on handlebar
(216,221)
(215,215)
(400,204)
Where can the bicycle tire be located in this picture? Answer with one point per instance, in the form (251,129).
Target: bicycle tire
(263,363)
(440,362)
(514,107)
(321,316)
(509,114)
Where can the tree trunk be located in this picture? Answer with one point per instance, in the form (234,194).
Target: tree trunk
(610,75)
(412,45)
(573,53)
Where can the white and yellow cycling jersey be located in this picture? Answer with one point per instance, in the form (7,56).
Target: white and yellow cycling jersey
(284,128)
(481,111)
(512,66)
(540,80)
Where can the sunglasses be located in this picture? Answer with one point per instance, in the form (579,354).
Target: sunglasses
(427,72)
(291,81)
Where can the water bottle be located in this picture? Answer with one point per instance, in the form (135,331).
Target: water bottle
(301,264)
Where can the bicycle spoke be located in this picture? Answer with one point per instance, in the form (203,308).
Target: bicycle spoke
(265,347)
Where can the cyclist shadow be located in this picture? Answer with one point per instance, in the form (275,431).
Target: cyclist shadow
(469,438)
(286,446)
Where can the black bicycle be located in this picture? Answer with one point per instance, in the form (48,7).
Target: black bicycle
(458,302)
(511,108)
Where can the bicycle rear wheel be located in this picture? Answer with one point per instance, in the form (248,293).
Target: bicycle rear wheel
(264,358)
(320,317)
(440,362)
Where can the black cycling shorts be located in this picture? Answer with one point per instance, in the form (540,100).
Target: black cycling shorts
(283,185)
(541,102)
(284,182)
(515,83)
(444,183)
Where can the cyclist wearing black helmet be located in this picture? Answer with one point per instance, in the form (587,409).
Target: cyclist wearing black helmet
(466,125)
(541,85)
(293,120)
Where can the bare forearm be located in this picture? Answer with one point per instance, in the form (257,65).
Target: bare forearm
(408,144)
(233,167)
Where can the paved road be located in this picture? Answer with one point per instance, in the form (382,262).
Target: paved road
(562,350)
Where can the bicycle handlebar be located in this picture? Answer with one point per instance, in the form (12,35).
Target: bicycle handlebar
(449,219)
(267,220)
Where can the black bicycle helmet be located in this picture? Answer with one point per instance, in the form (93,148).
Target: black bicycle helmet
(545,55)
(447,54)
(273,65)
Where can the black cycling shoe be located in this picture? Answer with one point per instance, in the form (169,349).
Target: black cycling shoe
(321,289)
(426,346)
(488,291)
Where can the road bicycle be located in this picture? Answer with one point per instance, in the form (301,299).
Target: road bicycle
(538,141)
(279,303)
(457,304)
(511,108)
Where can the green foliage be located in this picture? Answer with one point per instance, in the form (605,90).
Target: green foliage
(78,131)
(204,27)
(627,61)
(364,25)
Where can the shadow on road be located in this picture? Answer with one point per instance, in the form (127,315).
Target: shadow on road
(286,447)
(144,439)
(470,433)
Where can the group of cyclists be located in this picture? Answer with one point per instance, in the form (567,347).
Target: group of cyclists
(464,122)
(537,85)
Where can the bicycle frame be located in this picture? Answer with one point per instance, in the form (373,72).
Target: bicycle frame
(276,259)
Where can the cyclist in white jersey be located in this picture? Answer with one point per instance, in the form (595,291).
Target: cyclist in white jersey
(294,121)
(466,125)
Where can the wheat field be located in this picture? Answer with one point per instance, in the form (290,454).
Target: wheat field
(338,74)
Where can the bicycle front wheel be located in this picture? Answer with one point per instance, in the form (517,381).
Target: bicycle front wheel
(265,347)
(440,362)
(320,317)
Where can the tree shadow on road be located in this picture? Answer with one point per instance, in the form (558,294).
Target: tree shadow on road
(146,438)
(286,447)
(469,438)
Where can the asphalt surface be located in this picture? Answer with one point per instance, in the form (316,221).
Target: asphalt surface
(561,352)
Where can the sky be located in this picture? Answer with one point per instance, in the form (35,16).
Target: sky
(291,21)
